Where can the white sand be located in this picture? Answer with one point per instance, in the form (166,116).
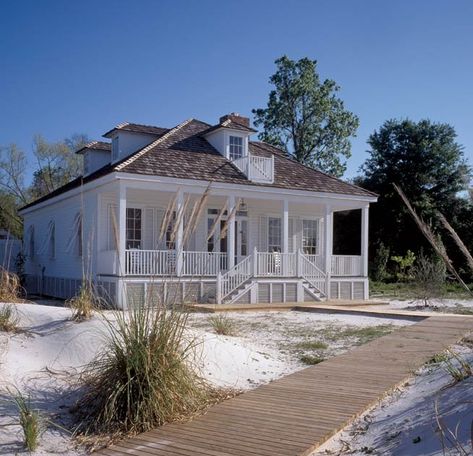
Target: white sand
(44,360)
(405,423)
(434,305)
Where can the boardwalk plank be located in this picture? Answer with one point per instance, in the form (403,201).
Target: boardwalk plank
(293,415)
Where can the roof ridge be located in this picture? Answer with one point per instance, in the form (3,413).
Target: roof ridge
(147,148)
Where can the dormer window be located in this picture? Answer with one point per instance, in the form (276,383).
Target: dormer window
(236,147)
(115,148)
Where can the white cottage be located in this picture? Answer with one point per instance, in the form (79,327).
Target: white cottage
(270,220)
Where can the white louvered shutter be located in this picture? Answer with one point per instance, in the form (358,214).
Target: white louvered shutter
(263,234)
(149,229)
(112,227)
(159,244)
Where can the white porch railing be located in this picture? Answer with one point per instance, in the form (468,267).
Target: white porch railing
(203,263)
(347,265)
(163,262)
(256,168)
(342,265)
(276,264)
(268,264)
(150,262)
(230,281)
(309,271)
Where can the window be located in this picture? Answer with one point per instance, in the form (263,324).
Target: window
(133,228)
(79,235)
(170,235)
(243,238)
(236,147)
(31,242)
(115,150)
(74,244)
(52,240)
(309,236)
(274,234)
(211,239)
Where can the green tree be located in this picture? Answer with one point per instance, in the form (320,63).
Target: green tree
(57,163)
(426,161)
(306,118)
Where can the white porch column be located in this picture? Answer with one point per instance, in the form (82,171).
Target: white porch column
(328,246)
(121,228)
(364,240)
(121,222)
(179,231)
(285,227)
(231,232)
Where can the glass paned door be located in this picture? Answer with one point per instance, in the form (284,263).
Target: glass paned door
(241,239)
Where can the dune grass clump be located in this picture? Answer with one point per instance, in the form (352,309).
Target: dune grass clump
(10,286)
(29,421)
(223,325)
(8,318)
(84,303)
(144,377)
(457,367)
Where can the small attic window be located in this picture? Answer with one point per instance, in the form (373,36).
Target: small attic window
(115,148)
(236,147)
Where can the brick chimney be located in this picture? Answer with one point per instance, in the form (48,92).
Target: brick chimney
(235,117)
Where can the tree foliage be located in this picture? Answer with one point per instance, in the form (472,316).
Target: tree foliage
(424,159)
(55,164)
(306,118)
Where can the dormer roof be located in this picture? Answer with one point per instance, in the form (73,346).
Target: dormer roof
(137,128)
(95,145)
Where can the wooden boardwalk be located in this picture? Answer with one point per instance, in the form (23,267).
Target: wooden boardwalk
(294,415)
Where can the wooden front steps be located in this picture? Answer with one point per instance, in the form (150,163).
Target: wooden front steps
(296,414)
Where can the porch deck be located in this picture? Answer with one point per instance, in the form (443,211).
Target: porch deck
(296,414)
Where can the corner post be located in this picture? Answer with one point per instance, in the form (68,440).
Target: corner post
(121,247)
(328,247)
(364,240)
(179,231)
(219,288)
(231,231)
(255,262)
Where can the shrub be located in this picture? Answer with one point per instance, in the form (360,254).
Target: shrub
(380,263)
(143,377)
(404,265)
(29,421)
(429,275)
(312,345)
(10,287)
(223,325)
(84,303)
(311,360)
(458,368)
(8,318)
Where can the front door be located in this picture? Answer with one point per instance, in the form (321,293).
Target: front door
(241,239)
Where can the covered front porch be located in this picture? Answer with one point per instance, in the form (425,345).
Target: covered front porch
(240,237)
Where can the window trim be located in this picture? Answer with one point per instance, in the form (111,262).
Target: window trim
(274,247)
(137,241)
(310,249)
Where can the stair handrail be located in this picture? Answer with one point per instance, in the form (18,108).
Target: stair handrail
(311,273)
(234,278)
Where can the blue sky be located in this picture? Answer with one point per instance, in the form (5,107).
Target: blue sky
(83,66)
